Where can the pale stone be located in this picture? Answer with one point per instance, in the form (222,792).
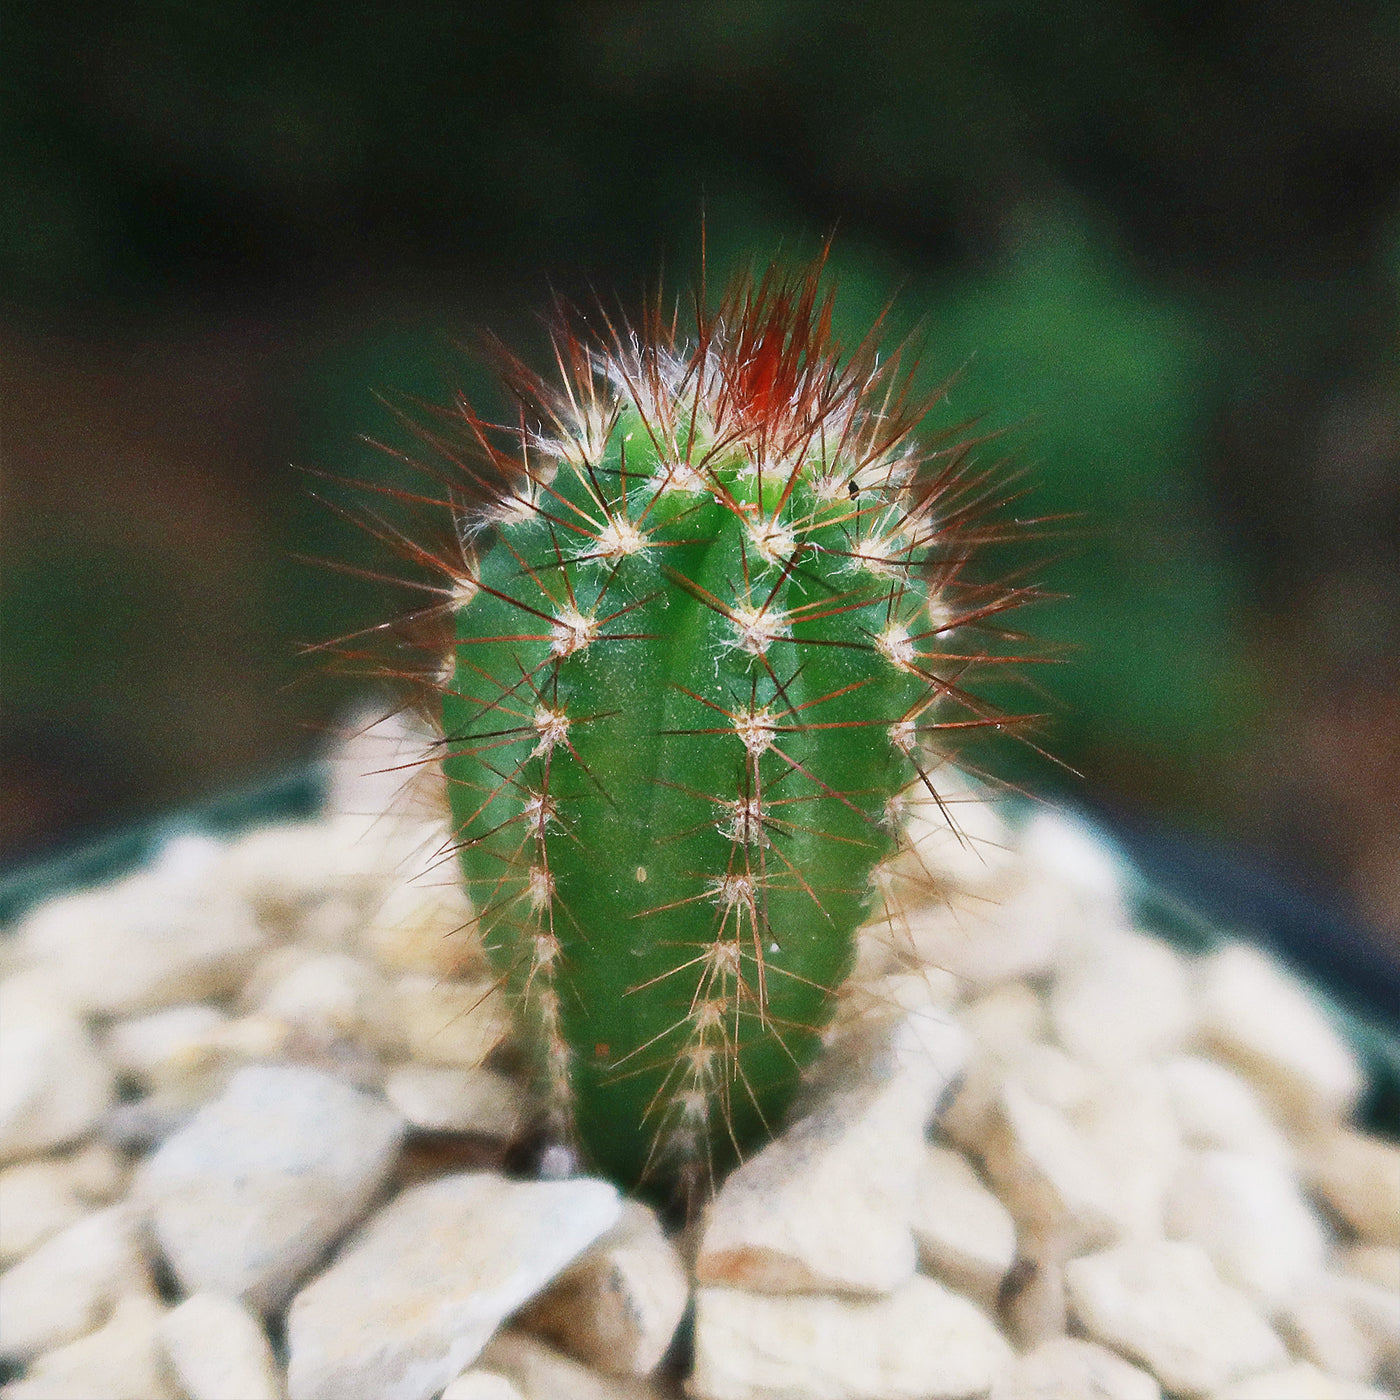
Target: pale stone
(1132,1000)
(194,1065)
(1373,1311)
(37,1200)
(449,1022)
(1380,1263)
(540,1373)
(1043,1072)
(965,1236)
(1034,1306)
(413,1297)
(1358,1175)
(218,1350)
(97,1172)
(139,1125)
(1262,1019)
(826,1206)
(327,998)
(618,1308)
(968,1118)
(249,1039)
(921,1342)
(1162,1303)
(332,923)
(288,870)
(1069,1368)
(1006,1018)
(1129,1127)
(1019,933)
(1045,1172)
(1052,1077)
(69,1284)
(1302,1381)
(166,1050)
(122,1360)
(156,938)
(386,763)
(1347,1325)
(1250,1215)
(481,1385)
(961,841)
(880,995)
(54,1086)
(248,1195)
(443,1098)
(185,1054)
(1216,1107)
(1074,851)
(426,925)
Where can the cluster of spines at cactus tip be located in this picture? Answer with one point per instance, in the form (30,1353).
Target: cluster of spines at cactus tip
(710,607)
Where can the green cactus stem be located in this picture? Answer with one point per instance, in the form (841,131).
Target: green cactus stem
(710,610)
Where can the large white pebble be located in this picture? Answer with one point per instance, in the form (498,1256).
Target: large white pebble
(1043,1072)
(921,1342)
(68,1285)
(1348,1326)
(1128,1124)
(1358,1175)
(449,1099)
(1250,1215)
(218,1349)
(1218,1107)
(450,1022)
(327,998)
(384,763)
(156,938)
(98,1172)
(250,1192)
(959,842)
(826,1206)
(966,1237)
(37,1200)
(1380,1263)
(288,870)
(1302,1381)
(1262,1019)
(167,1050)
(426,924)
(1019,933)
(1045,1171)
(481,1385)
(1032,1300)
(538,1372)
(1131,1000)
(618,1308)
(414,1296)
(122,1360)
(1163,1304)
(54,1086)
(1006,1018)
(1069,1368)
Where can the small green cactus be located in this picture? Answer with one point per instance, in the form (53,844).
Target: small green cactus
(710,606)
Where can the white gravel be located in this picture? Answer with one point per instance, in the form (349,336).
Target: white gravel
(1149,1179)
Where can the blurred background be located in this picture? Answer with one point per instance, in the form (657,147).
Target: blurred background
(1159,243)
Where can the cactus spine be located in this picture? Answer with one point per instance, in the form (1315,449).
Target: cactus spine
(709,606)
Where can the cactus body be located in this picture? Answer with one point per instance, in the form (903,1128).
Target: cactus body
(703,628)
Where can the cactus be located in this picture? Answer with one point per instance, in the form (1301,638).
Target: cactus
(711,607)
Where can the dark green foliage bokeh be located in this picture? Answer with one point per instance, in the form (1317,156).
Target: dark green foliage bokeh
(1154,242)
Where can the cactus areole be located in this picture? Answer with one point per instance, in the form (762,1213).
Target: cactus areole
(711,613)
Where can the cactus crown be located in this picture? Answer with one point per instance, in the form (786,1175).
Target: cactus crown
(710,608)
